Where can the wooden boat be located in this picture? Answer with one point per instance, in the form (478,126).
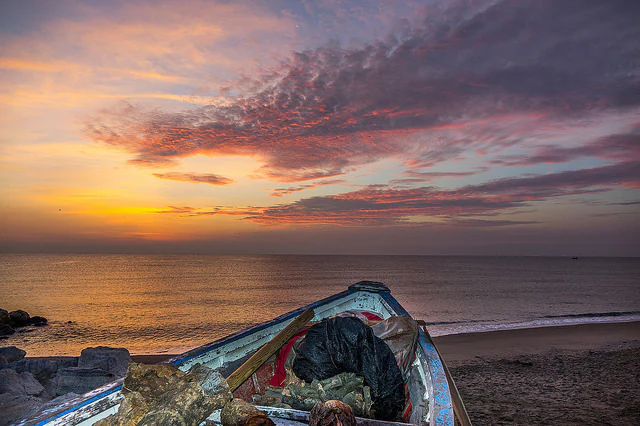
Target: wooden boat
(431,389)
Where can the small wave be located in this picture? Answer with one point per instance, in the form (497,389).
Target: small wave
(453,322)
(594,315)
(464,327)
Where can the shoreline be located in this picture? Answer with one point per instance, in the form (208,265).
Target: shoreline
(535,340)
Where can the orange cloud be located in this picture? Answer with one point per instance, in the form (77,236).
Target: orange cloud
(211,179)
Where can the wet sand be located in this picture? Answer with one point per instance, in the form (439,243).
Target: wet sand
(569,375)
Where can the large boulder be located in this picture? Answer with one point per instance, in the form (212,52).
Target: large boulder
(4,317)
(151,381)
(12,353)
(15,406)
(38,321)
(186,403)
(23,384)
(19,318)
(81,380)
(132,409)
(162,395)
(43,368)
(111,360)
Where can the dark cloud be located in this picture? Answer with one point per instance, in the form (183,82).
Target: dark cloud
(279,192)
(421,177)
(211,179)
(382,205)
(329,109)
(563,183)
(617,147)
(628,203)
(490,223)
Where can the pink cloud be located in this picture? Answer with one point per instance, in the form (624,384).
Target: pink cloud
(382,205)
(211,179)
(330,109)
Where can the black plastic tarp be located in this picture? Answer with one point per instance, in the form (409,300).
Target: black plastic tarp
(339,344)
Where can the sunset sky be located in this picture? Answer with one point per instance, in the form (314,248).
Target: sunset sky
(497,127)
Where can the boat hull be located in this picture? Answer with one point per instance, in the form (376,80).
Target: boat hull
(430,394)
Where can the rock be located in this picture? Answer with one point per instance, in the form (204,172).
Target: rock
(211,381)
(131,410)
(15,406)
(31,385)
(3,361)
(38,321)
(6,330)
(43,369)
(22,384)
(163,418)
(19,318)
(213,384)
(162,394)
(240,413)
(107,421)
(111,360)
(4,317)
(12,354)
(10,382)
(81,380)
(151,380)
(186,403)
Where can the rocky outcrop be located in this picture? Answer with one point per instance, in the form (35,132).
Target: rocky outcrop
(151,381)
(111,360)
(44,370)
(81,380)
(23,384)
(4,317)
(14,406)
(9,321)
(19,318)
(38,321)
(28,385)
(12,354)
(6,330)
(164,395)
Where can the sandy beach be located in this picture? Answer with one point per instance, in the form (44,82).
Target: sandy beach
(569,375)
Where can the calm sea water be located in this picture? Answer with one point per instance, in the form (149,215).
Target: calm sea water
(157,304)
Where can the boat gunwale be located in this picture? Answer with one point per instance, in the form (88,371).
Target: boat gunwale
(208,347)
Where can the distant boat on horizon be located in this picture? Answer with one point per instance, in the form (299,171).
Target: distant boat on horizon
(575,258)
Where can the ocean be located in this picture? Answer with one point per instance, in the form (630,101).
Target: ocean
(171,303)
